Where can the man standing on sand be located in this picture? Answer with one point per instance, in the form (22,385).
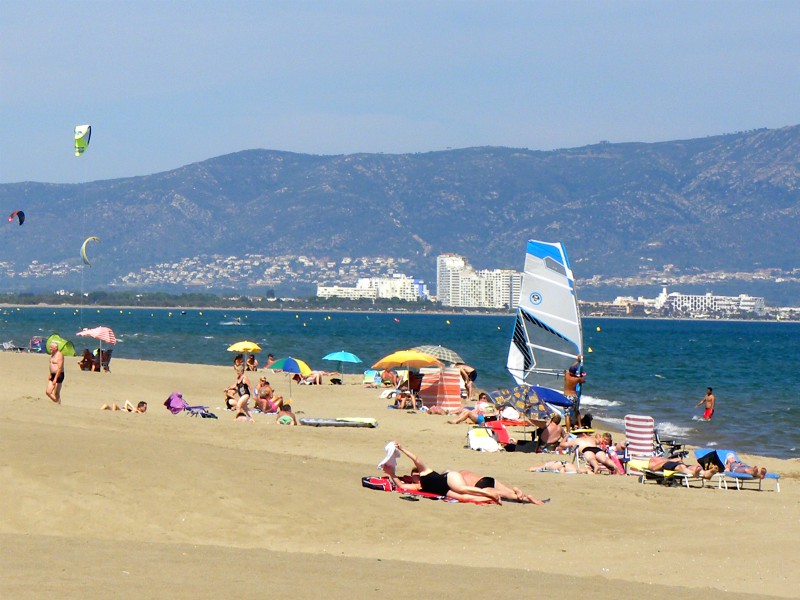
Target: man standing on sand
(468,376)
(710,403)
(573,377)
(53,390)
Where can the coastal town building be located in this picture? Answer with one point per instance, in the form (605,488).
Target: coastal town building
(691,305)
(370,288)
(460,285)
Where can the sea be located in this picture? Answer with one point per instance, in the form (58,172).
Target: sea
(650,367)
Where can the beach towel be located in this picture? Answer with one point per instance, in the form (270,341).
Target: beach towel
(384,484)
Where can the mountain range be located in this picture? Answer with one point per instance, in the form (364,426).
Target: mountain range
(723,204)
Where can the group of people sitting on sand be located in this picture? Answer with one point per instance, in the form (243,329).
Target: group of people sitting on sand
(239,394)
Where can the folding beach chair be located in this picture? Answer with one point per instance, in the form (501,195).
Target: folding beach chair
(639,432)
(175,404)
(372,378)
(105,358)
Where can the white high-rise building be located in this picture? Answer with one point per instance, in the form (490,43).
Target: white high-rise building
(458,284)
(449,268)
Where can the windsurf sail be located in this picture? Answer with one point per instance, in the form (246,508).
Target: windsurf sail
(547,334)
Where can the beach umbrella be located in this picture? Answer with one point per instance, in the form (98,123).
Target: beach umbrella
(66,347)
(440,352)
(101,333)
(104,334)
(342,357)
(244,347)
(524,399)
(291,365)
(407,358)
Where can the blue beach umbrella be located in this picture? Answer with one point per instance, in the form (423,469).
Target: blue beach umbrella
(342,357)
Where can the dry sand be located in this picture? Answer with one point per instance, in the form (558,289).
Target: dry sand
(98,504)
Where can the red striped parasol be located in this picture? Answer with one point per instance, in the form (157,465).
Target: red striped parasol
(104,334)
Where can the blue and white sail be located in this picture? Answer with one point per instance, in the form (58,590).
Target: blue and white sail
(547,333)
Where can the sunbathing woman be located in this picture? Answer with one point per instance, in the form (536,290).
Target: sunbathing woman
(478,414)
(737,466)
(459,485)
(557,466)
(590,449)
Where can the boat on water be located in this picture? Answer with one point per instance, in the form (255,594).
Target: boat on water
(548,336)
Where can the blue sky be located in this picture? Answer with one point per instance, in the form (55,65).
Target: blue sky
(165,84)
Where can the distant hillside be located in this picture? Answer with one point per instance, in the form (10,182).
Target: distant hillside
(720,203)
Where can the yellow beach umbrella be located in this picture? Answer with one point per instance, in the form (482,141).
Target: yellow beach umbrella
(244,347)
(407,358)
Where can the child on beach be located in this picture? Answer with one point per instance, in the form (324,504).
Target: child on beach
(285,416)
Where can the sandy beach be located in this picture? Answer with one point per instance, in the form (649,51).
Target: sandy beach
(100,504)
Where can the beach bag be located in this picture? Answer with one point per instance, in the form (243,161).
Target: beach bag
(709,460)
(510,413)
(384,484)
(482,439)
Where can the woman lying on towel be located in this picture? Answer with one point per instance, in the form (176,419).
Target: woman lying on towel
(734,465)
(459,485)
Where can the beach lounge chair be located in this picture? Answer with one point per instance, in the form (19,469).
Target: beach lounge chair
(707,456)
(372,378)
(639,466)
(669,448)
(11,347)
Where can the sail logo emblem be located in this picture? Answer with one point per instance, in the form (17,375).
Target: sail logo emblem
(536,298)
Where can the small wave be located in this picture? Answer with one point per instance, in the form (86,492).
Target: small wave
(617,423)
(591,401)
(659,376)
(208,337)
(232,323)
(712,444)
(667,429)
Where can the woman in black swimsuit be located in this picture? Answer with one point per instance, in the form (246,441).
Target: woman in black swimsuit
(241,410)
(460,485)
